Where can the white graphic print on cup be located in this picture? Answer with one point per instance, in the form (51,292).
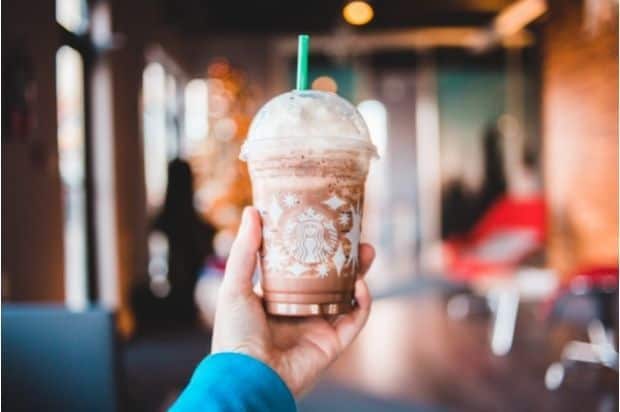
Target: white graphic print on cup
(310,237)
(309,243)
(354,236)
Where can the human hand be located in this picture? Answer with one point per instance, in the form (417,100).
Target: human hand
(298,349)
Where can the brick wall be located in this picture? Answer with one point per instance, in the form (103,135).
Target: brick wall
(580,132)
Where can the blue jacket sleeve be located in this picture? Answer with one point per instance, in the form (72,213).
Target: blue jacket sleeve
(234,382)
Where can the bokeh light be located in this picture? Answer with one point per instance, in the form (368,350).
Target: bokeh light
(358,13)
(325,83)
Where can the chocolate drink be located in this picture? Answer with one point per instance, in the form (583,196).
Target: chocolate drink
(309,190)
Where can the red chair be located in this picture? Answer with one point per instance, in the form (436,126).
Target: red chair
(512,230)
(509,232)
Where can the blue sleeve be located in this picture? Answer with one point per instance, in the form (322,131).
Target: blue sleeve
(235,382)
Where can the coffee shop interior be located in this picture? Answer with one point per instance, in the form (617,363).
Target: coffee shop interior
(493,205)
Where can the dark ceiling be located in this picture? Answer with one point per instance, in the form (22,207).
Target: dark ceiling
(294,16)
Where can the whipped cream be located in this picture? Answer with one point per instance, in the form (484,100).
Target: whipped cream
(309,118)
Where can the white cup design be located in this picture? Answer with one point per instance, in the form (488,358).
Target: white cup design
(310,237)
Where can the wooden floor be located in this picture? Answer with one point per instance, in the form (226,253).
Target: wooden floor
(411,351)
(410,357)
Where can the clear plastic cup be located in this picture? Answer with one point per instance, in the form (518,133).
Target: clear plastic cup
(308,154)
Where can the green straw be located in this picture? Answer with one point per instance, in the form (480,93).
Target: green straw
(302,61)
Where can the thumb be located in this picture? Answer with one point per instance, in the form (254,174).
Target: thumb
(242,260)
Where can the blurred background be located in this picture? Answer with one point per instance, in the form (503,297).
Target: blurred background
(493,207)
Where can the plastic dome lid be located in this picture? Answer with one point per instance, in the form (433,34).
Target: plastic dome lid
(307,119)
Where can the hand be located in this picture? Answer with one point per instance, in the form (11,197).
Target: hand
(298,349)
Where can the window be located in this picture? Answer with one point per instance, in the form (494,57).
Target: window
(154,126)
(71,156)
(161,105)
(196,111)
(72,15)
(172,118)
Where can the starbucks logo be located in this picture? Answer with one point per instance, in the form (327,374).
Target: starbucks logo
(310,237)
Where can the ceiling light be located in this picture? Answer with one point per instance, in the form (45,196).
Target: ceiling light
(325,83)
(357,13)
